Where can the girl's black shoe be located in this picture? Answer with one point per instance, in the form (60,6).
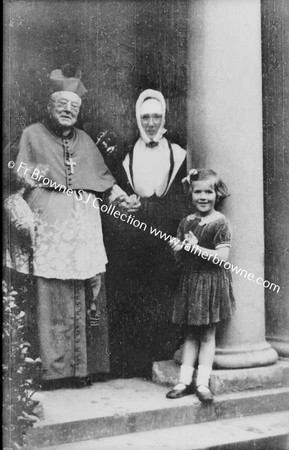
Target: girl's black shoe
(204,394)
(178,392)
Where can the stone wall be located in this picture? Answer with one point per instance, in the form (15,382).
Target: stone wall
(122,47)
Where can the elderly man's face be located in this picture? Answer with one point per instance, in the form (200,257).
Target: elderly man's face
(64,108)
(151,117)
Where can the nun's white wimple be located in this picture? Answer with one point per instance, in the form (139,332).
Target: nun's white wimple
(157,95)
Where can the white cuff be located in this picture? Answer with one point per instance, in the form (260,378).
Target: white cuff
(186,374)
(203,375)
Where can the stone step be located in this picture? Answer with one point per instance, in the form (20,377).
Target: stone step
(265,431)
(233,380)
(119,407)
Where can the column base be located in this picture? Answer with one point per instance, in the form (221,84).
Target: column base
(239,357)
(228,380)
(281,345)
(261,354)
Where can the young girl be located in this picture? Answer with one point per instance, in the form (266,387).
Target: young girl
(204,296)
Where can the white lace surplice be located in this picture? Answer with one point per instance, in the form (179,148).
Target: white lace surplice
(68,237)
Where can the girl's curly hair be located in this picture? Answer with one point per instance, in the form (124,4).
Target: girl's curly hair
(206,174)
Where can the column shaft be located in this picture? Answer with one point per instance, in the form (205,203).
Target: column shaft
(225,134)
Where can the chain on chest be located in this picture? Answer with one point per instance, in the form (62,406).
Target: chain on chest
(70,163)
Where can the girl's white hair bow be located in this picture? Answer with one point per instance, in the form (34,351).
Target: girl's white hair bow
(188,177)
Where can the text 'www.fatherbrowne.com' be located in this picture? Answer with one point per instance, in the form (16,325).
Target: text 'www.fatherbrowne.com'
(195,249)
(36,175)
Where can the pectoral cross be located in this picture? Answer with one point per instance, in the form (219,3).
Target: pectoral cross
(70,163)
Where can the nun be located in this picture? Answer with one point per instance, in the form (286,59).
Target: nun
(142,272)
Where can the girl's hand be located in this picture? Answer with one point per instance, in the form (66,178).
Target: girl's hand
(175,244)
(190,238)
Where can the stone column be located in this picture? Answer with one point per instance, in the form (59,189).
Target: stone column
(275,45)
(225,134)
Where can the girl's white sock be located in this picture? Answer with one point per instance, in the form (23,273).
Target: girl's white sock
(186,374)
(203,376)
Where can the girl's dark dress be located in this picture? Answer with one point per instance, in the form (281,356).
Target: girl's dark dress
(204,294)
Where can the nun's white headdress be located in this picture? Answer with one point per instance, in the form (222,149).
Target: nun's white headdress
(145,95)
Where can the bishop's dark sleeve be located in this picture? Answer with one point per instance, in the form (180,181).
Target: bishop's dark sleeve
(105,179)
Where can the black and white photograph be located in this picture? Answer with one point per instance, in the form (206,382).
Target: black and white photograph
(145,286)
